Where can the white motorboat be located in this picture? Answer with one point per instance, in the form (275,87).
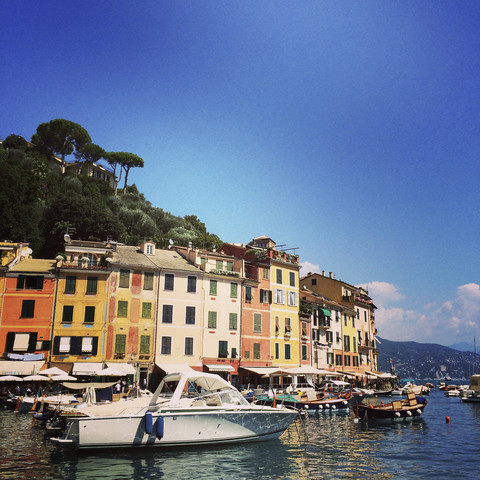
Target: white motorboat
(188,408)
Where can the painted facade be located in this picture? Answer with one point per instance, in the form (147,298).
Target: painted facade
(27,306)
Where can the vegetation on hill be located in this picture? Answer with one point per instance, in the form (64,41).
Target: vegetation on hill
(39,203)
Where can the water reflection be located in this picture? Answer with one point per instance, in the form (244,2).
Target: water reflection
(322,446)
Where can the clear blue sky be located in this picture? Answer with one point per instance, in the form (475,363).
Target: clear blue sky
(347,129)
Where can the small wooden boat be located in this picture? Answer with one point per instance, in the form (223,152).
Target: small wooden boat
(412,407)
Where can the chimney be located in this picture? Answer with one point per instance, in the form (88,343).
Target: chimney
(323,273)
(330,274)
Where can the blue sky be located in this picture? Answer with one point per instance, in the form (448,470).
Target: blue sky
(347,129)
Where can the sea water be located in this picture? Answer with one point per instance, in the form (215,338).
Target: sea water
(323,446)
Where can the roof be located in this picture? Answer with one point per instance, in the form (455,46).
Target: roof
(172,260)
(34,265)
(131,256)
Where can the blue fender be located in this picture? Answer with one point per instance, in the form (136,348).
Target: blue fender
(159,428)
(148,423)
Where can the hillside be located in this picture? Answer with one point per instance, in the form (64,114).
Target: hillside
(426,360)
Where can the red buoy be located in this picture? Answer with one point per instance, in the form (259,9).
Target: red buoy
(447,419)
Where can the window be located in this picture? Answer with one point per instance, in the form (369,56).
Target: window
(148,281)
(329,335)
(265,273)
(146,310)
(124,279)
(70,284)
(292,278)
(190,315)
(293,299)
(229,266)
(219,264)
(92,285)
(304,330)
(212,319)
(234,352)
(67,316)
(279,296)
(338,359)
(330,358)
(149,249)
(122,308)
(233,321)
(233,290)
(188,346)
(145,344)
(248,294)
(222,349)
(279,276)
(314,281)
(87,344)
(213,287)
(354,344)
(347,360)
(265,296)
(355,361)
(64,345)
(287,351)
(304,352)
(256,351)
(246,355)
(30,282)
(257,323)
(346,343)
(191,284)
(169,280)
(120,343)
(167,314)
(21,342)
(345,320)
(288,325)
(89,315)
(166,345)
(277,325)
(28,309)
(277,350)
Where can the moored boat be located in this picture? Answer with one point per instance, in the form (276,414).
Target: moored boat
(189,408)
(407,409)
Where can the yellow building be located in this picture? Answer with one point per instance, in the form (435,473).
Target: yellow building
(80,310)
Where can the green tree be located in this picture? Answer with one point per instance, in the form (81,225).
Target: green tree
(60,137)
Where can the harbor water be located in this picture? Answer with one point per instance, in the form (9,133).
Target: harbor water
(324,446)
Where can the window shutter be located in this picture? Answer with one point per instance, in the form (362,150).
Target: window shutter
(56,346)
(10,341)
(32,342)
(94,345)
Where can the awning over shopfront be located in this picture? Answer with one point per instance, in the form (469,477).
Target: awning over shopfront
(86,368)
(174,367)
(126,368)
(15,367)
(65,366)
(263,371)
(220,368)
(307,370)
(348,374)
(326,312)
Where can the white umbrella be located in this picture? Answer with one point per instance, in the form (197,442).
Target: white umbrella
(52,371)
(61,378)
(35,378)
(10,378)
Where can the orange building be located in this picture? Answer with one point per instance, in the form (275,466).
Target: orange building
(27,306)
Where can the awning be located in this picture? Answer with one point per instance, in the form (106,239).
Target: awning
(306,370)
(126,368)
(348,374)
(220,368)
(20,368)
(65,366)
(174,367)
(86,368)
(262,370)
(326,312)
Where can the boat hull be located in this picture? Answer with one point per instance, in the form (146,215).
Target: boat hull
(175,428)
(369,412)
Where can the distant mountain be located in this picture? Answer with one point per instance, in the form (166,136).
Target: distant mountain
(424,361)
(463,347)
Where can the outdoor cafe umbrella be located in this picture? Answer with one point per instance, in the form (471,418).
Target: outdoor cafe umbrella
(35,378)
(61,378)
(10,378)
(52,371)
